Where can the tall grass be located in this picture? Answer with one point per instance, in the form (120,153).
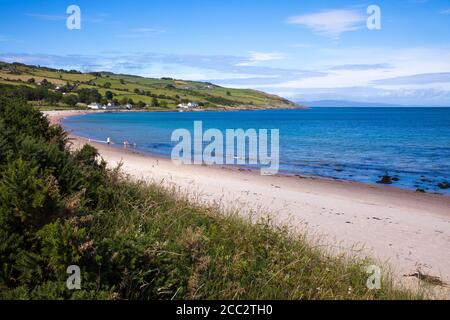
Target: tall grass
(198,252)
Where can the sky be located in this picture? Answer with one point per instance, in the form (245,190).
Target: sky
(300,49)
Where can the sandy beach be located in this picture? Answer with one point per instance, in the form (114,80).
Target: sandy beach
(405,230)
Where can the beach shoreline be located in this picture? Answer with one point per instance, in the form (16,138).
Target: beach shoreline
(57,117)
(409,231)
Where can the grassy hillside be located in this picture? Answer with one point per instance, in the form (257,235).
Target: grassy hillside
(149,93)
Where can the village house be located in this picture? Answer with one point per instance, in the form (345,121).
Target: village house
(110,106)
(190,105)
(94,106)
(182,106)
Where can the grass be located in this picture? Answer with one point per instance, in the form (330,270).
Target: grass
(12,78)
(16,83)
(62,76)
(211,255)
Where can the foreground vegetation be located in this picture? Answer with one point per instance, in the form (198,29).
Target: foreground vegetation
(68,89)
(138,241)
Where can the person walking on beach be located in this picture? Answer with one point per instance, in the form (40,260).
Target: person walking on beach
(108,140)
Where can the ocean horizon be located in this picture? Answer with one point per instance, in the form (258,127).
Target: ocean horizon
(412,145)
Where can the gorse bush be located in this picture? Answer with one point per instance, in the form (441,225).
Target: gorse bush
(40,182)
(138,241)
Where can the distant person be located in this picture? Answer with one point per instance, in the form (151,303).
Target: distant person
(108,140)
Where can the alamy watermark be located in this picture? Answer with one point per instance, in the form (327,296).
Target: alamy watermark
(73,21)
(74,280)
(374,280)
(374,20)
(237,147)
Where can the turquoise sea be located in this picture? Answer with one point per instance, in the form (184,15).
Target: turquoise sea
(359,144)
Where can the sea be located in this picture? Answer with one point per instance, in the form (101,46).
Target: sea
(411,145)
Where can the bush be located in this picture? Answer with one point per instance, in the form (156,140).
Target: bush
(87,95)
(71,100)
(41,185)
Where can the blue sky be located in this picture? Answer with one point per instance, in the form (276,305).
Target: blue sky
(308,50)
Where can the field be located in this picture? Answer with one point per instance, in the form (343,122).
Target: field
(167,92)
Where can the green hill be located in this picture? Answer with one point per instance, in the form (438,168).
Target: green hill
(149,93)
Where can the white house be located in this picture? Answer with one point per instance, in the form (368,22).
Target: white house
(94,106)
(110,106)
(129,106)
(190,105)
(183,106)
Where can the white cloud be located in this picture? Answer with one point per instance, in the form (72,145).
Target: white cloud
(331,23)
(447,11)
(363,66)
(416,79)
(383,74)
(373,66)
(421,75)
(398,96)
(257,57)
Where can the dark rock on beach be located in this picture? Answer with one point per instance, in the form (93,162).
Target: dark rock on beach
(444,185)
(385,180)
